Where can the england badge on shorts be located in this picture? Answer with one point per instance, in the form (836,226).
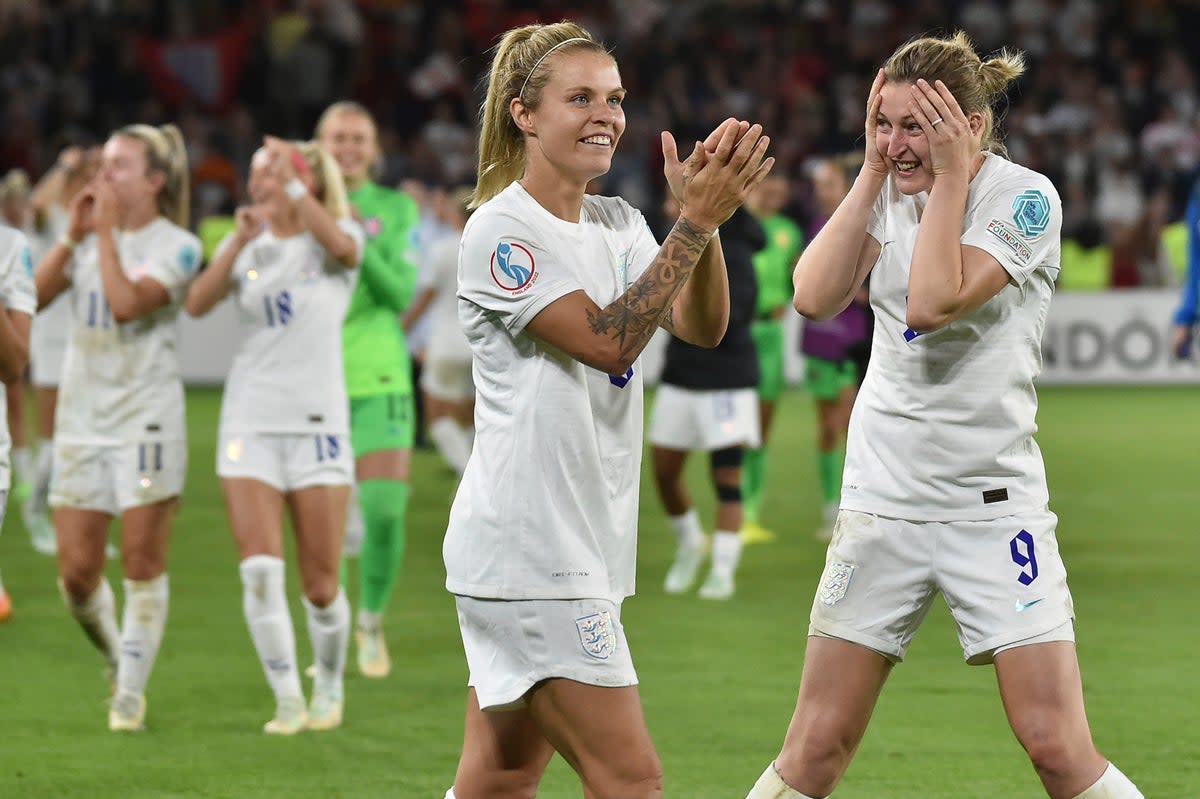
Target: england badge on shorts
(596,634)
(835,582)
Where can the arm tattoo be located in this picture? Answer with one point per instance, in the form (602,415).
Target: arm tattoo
(632,318)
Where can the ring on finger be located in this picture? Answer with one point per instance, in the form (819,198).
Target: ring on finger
(936,122)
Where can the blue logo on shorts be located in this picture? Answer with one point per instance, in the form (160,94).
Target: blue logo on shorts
(597,635)
(1031,212)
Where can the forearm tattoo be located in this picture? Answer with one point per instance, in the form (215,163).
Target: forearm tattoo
(633,317)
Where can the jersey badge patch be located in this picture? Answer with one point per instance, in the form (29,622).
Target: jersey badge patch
(189,258)
(596,635)
(1031,212)
(513,267)
(27,261)
(1006,234)
(372,226)
(835,582)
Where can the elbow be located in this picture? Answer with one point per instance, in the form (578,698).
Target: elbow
(926,320)
(806,305)
(347,254)
(125,312)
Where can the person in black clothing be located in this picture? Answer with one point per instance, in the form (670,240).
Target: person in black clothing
(707,401)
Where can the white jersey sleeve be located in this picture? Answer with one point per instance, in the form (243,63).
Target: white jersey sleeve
(17,291)
(505,269)
(1017,222)
(174,266)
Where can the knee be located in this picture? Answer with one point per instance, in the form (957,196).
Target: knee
(141,565)
(78,584)
(321,590)
(1048,748)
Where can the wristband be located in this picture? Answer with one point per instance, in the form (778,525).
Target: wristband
(66,241)
(295,189)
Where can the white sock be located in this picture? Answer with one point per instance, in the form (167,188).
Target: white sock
(687,529)
(450,794)
(264,602)
(329,629)
(1112,785)
(142,627)
(771,786)
(356,529)
(22,463)
(97,615)
(369,622)
(726,552)
(451,441)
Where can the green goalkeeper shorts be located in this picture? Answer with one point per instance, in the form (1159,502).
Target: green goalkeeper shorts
(768,340)
(826,380)
(381,422)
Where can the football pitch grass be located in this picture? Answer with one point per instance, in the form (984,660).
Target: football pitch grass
(718,680)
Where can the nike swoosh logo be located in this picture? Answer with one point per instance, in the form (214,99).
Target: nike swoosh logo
(1020,607)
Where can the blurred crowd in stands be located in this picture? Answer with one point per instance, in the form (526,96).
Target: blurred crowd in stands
(1109,108)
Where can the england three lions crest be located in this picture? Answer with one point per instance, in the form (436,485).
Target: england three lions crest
(835,582)
(596,634)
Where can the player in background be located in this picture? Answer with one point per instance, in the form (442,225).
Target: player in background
(120,438)
(707,402)
(830,373)
(19,302)
(773,267)
(284,433)
(75,167)
(945,489)
(15,212)
(378,373)
(446,383)
(1183,334)
(559,292)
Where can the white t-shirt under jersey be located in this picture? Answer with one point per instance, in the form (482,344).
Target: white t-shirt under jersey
(121,382)
(446,338)
(547,507)
(942,429)
(17,293)
(287,376)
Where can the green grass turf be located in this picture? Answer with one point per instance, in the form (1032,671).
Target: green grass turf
(718,680)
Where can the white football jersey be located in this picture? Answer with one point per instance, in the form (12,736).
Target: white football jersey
(52,323)
(446,338)
(17,293)
(287,376)
(942,429)
(547,507)
(121,382)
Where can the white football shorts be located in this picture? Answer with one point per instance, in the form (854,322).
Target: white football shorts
(286,461)
(512,645)
(115,478)
(702,420)
(1003,579)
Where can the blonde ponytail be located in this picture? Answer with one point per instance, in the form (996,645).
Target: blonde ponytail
(166,153)
(975,84)
(330,187)
(520,68)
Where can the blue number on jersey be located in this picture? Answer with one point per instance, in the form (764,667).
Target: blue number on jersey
(278,308)
(1023,555)
(99,314)
(620,381)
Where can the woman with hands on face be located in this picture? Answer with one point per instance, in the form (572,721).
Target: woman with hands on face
(283,439)
(559,292)
(120,443)
(944,487)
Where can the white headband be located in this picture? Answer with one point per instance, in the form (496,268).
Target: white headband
(521,94)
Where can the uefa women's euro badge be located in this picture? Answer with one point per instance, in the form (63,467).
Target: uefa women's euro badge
(597,635)
(835,582)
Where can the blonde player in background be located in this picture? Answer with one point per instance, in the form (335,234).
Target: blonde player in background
(74,169)
(446,378)
(559,292)
(378,374)
(120,437)
(284,435)
(18,302)
(944,489)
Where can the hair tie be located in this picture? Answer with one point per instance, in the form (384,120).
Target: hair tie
(538,63)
